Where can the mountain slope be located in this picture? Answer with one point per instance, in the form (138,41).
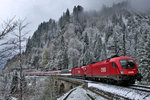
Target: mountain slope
(83,37)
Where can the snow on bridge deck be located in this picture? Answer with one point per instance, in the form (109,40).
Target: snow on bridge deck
(79,93)
(121,91)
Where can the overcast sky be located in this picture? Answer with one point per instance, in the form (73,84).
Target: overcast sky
(37,11)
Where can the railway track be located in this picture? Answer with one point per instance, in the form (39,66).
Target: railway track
(140,88)
(69,94)
(135,87)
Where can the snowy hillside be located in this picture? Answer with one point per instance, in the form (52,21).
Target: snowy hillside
(84,37)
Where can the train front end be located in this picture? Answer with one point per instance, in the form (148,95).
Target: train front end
(128,70)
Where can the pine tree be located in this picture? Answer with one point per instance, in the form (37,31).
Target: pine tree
(14,83)
(97,48)
(24,83)
(77,12)
(143,53)
(79,8)
(86,47)
(62,57)
(65,59)
(88,57)
(147,60)
(45,57)
(124,39)
(61,22)
(67,15)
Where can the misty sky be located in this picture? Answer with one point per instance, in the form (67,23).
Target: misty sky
(37,11)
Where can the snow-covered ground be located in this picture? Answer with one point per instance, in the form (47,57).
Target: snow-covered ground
(81,94)
(36,86)
(122,91)
(13,98)
(4,87)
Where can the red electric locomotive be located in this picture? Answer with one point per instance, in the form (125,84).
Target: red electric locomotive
(78,72)
(118,69)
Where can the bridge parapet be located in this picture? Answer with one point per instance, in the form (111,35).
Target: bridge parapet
(65,84)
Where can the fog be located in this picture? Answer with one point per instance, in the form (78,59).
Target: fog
(141,5)
(37,11)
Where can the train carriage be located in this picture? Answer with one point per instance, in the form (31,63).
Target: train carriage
(78,72)
(120,70)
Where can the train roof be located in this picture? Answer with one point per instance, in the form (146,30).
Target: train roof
(112,59)
(119,58)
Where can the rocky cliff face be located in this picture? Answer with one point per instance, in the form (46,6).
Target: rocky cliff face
(42,38)
(83,37)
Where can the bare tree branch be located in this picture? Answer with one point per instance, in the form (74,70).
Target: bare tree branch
(20,35)
(9,27)
(13,41)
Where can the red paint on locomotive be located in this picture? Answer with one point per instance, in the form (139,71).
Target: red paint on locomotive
(78,71)
(117,68)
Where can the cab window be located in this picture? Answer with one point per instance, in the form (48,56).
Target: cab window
(82,69)
(127,63)
(85,68)
(114,64)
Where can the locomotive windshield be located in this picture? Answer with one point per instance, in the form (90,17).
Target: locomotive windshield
(128,63)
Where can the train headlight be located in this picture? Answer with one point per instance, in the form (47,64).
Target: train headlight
(121,72)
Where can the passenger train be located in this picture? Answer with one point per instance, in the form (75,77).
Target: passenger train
(116,70)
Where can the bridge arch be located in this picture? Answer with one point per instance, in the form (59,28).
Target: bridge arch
(62,88)
(71,87)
